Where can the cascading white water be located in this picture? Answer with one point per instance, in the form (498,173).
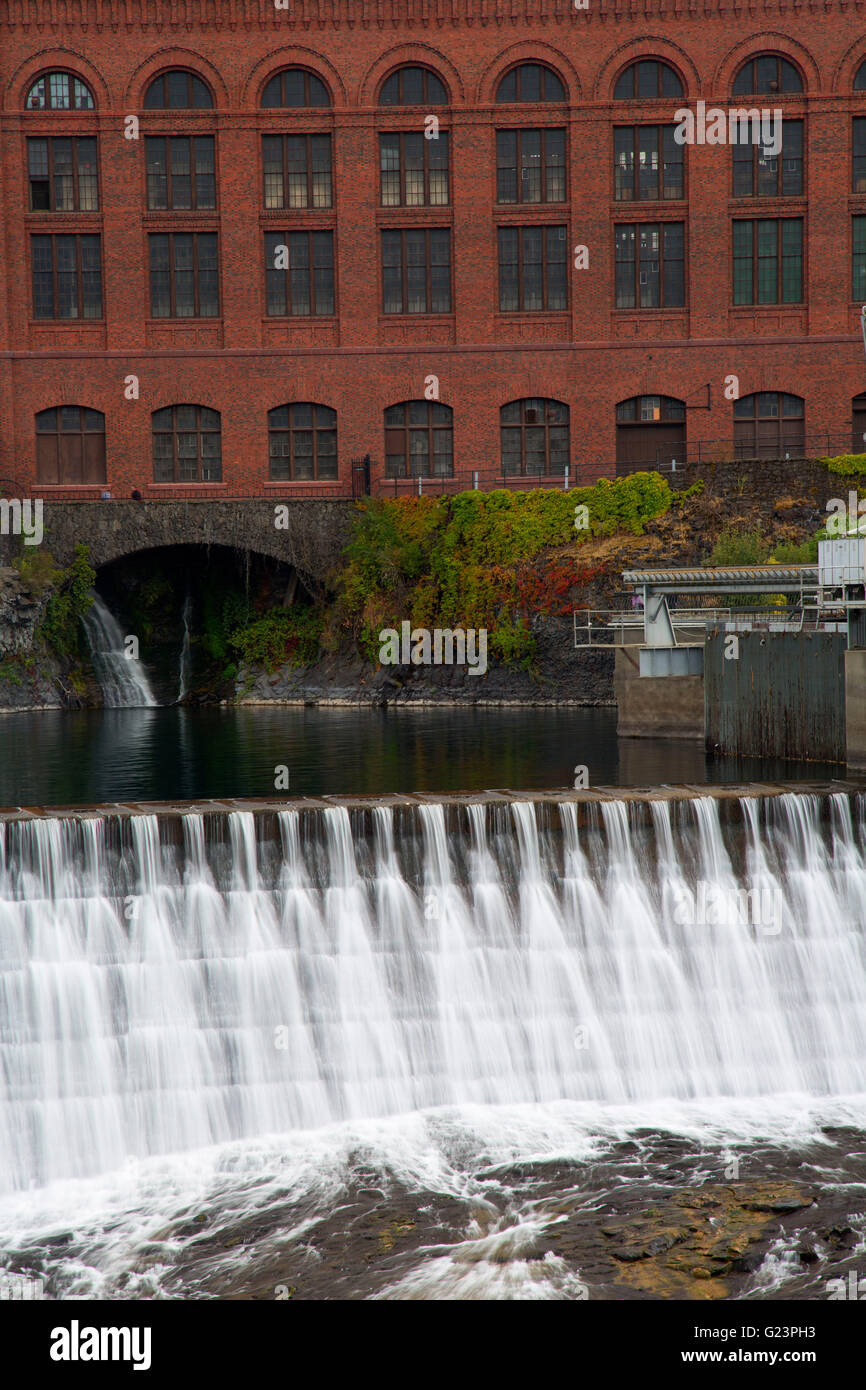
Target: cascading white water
(123,678)
(159,993)
(185,652)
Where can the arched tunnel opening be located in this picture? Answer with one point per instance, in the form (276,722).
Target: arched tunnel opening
(192,614)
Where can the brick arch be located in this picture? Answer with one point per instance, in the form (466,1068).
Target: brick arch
(528,52)
(173,57)
(769,42)
(52,60)
(648,46)
(412,393)
(292,56)
(846,68)
(407,55)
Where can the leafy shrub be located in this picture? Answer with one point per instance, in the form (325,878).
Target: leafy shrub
(38,569)
(458,561)
(282,636)
(736,547)
(806,553)
(60,628)
(847,464)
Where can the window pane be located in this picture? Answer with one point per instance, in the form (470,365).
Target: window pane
(506,166)
(177,88)
(648,162)
(673,180)
(623,162)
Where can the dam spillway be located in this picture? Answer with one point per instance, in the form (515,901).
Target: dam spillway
(217,974)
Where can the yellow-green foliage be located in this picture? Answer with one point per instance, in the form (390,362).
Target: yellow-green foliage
(453,560)
(847,464)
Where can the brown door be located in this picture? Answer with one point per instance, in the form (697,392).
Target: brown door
(649,446)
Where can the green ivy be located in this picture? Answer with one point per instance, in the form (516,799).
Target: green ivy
(453,561)
(60,628)
(848,465)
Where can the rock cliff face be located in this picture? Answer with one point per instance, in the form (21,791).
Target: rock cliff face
(20,613)
(30,677)
(563,674)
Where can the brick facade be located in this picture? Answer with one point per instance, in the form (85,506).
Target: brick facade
(360,361)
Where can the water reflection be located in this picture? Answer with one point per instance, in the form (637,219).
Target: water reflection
(58,757)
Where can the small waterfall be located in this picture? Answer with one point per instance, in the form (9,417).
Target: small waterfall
(123,679)
(168,983)
(185,652)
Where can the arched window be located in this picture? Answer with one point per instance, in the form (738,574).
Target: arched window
(860,78)
(650,432)
(302,442)
(187,445)
(419,440)
(766,75)
(296,87)
(59,91)
(530,82)
(858,422)
(769,424)
(647,80)
(177,90)
(70,445)
(533,433)
(413,86)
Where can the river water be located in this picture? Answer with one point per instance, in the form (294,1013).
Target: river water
(492,1049)
(55,758)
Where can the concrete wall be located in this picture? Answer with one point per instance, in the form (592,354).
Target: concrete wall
(656,706)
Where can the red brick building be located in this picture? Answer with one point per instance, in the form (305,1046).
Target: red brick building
(242,246)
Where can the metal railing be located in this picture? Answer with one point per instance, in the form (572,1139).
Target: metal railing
(354,483)
(608,627)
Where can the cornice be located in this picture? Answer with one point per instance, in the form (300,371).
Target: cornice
(186,16)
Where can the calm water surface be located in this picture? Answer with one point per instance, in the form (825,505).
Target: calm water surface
(77,757)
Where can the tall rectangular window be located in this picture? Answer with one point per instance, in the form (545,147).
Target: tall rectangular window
(858,279)
(181,173)
(650,265)
(530,166)
(63,175)
(67,277)
(184,275)
(532,269)
(299,274)
(416,271)
(647,163)
(413,169)
(858,183)
(760,175)
(768,261)
(297,171)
